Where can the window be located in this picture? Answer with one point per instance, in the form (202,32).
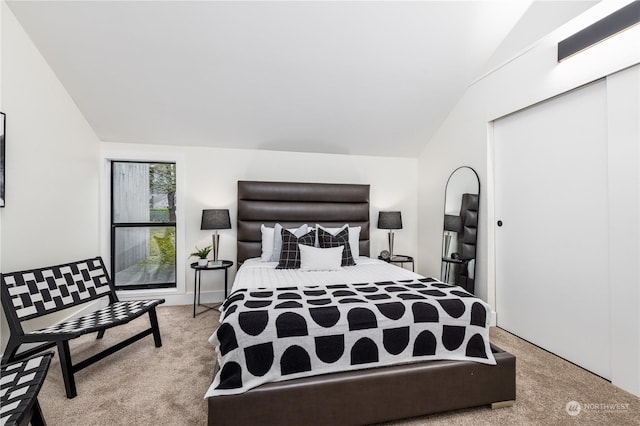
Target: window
(143,225)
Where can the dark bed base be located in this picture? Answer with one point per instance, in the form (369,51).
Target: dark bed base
(371,396)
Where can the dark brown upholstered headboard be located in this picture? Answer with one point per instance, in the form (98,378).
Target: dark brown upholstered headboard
(293,204)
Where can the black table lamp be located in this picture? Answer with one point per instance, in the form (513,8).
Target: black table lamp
(390,221)
(215,219)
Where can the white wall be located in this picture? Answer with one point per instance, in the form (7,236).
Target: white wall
(207,178)
(52,200)
(463,139)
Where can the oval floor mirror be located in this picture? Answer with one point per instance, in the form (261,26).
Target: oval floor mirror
(462,197)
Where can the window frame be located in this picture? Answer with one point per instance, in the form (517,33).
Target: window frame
(113,151)
(115,226)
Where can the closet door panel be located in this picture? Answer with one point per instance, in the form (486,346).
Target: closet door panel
(552,249)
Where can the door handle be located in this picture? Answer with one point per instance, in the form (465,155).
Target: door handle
(499,223)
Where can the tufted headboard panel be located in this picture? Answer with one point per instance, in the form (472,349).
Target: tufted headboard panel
(293,204)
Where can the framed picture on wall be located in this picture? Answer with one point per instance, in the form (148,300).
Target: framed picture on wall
(2,128)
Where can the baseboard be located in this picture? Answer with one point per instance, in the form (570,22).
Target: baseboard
(178,299)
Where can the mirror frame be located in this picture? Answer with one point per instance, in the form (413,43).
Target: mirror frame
(451,223)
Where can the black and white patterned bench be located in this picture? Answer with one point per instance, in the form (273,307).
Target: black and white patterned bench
(21,381)
(32,294)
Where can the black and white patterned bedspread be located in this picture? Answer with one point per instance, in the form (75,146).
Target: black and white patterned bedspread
(270,335)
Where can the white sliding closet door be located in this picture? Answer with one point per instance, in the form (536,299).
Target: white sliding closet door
(552,270)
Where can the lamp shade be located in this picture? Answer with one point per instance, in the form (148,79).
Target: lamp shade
(389,220)
(215,219)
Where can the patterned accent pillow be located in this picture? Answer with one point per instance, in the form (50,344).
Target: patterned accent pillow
(277,239)
(290,253)
(340,239)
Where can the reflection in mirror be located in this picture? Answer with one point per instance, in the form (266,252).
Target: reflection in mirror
(460,228)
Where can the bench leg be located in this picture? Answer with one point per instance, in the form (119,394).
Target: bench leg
(67,368)
(154,325)
(100,334)
(37,419)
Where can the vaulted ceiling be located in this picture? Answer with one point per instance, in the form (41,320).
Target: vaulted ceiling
(352,77)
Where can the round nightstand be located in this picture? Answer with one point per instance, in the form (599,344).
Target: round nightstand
(401,259)
(211,266)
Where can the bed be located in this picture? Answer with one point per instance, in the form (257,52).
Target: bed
(355,396)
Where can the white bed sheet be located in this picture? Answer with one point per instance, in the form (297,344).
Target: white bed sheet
(257,274)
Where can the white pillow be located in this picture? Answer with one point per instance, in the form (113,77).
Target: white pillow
(267,243)
(320,259)
(277,239)
(354,241)
(354,237)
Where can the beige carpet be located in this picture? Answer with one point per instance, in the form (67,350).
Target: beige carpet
(144,385)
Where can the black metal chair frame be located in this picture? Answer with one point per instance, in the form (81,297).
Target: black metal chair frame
(20,394)
(34,293)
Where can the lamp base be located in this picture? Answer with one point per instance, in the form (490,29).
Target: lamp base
(391,243)
(216,245)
